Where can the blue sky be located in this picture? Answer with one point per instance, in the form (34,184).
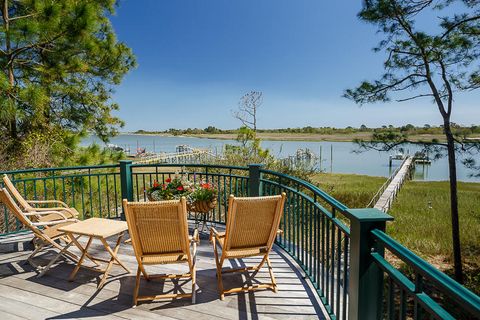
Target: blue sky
(197,58)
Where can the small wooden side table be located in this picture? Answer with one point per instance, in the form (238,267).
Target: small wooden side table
(100,229)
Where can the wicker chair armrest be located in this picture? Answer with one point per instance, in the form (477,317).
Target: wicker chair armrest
(45,212)
(215,233)
(58,202)
(52,223)
(73,213)
(47,209)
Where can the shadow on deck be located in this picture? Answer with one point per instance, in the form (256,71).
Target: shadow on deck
(25,296)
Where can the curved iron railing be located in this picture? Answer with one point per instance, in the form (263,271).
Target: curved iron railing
(341,250)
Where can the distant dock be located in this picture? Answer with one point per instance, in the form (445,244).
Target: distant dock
(384,197)
(184,154)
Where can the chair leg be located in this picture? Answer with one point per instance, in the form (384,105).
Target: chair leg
(137,286)
(59,254)
(259,266)
(144,272)
(38,248)
(193,272)
(272,276)
(219,271)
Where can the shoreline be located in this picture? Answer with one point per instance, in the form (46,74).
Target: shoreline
(268,136)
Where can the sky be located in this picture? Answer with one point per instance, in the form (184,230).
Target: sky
(197,58)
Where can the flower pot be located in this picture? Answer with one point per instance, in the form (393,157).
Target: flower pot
(201,206)
(149,196)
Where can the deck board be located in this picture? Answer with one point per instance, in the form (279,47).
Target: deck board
(25,296)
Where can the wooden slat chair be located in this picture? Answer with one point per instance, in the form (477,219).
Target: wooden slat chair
(32,205)
(252,226)
(44,238)
(159,233)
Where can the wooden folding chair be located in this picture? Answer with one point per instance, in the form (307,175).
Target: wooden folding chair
(61,207)
(159,233)
(44,237)
(252,225)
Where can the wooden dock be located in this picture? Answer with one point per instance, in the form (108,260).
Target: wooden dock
(396,181)
(189,156)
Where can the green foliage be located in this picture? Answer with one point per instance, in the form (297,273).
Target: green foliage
(460,131)
(249,150)
(211,129)
(55,148)
(204,192)
(421,64)
(419,204)
(355,191)
(60,61)
(92,155)
(422,223)
(435,64)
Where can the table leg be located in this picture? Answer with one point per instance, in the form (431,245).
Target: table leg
(79,246)
(84,253)
(114,257)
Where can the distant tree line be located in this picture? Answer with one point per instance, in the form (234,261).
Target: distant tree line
(462,131)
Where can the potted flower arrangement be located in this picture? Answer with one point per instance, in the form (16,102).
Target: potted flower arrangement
(201,195)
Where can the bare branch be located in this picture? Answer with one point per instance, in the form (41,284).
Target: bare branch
(23,17)
(415,97)
(248,107)
(448,86)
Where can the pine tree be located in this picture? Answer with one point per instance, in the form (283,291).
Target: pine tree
(59,63)
(433,64)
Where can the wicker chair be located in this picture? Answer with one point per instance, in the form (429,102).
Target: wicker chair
(45,238)
(252,226)
(31,205)
(159,233)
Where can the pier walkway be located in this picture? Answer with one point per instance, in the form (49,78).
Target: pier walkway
(390,189)
(188,156)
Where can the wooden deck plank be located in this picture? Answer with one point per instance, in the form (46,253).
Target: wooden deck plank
(51,308)
(59,298)
(11,307)
(10,316)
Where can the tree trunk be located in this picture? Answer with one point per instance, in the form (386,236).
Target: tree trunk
(10,70)
(452,167)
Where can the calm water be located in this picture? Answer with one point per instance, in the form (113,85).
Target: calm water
(343,159)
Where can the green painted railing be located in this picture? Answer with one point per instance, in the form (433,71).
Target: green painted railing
(227,179)
(340,250)
(92,190)
(425,292)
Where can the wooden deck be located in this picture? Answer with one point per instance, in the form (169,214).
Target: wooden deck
(25,296)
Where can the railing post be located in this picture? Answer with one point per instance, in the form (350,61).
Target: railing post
(254,180)
(126,184)
(365,288)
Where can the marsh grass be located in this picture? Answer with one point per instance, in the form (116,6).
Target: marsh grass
(353,190)
(422,217)
(422,223)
